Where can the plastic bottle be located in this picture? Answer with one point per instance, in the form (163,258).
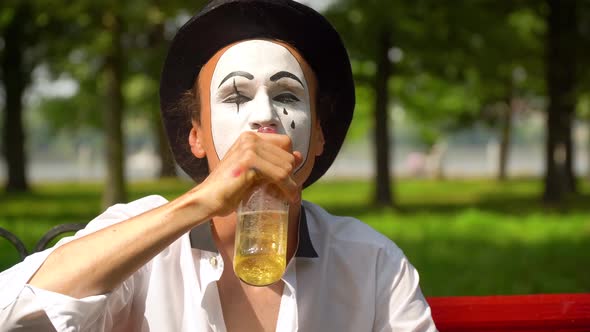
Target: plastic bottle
(260,252)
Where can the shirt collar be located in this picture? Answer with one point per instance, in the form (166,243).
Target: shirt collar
(202,238)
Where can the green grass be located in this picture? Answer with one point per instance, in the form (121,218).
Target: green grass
(468,237)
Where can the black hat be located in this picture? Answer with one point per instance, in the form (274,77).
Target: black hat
(223,22)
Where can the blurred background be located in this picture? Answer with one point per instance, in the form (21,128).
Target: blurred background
(469,148)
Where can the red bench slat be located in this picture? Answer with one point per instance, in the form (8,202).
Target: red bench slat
(542,312)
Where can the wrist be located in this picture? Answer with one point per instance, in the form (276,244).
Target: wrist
(192,208)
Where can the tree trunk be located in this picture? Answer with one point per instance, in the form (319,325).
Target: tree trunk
(114,191)
(168,166)
(157,43)
(15,78)
(383,194)
(436,158)
(560,79)
(505,139)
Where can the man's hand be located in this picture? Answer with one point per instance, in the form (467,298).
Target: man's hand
(254,159)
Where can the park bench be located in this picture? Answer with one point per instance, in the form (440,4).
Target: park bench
(539,313)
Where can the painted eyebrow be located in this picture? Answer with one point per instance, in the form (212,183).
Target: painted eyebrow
(285,74)
(236,73)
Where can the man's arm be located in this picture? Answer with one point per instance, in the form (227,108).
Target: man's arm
(400,305)
(99,262)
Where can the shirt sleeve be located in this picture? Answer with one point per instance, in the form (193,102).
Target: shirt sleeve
(24,307)
(400,305)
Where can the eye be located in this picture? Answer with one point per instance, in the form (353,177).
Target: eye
(286,98)
(236,99)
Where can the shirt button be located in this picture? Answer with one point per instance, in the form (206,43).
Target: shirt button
(213,261)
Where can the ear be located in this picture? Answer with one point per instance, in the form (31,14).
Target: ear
(320,140)
(195,143)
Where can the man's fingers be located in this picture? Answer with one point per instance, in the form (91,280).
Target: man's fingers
(264,171)
(258,158)
(276,155)
(282,141)
(273,148)
(252,175)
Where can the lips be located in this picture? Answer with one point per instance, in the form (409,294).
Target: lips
(267,130)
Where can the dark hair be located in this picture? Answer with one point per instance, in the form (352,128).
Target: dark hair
(187,109)
(190,103)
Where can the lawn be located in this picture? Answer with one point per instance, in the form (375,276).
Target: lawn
(466,237)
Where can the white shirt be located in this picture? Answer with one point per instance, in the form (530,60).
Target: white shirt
(344,277)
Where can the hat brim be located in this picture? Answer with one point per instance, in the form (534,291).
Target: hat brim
(224,22)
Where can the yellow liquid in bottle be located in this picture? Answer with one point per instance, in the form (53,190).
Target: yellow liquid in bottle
(261,247)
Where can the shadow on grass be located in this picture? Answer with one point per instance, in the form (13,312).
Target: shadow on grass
(502,203)
(62,203)
(446,197)
(451,267)
(73,197)
(56,208)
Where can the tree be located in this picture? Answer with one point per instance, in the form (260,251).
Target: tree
(583,109)
(17,34)
(27,32)
(97,42)
(158,42)
(149,58)
(490,62)
(114,190)
(370,30)
(510,68)
(383,192)
(560,57)
(118,46)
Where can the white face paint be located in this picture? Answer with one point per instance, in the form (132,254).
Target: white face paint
(258,83)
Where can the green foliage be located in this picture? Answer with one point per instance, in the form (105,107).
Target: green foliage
(362,119)
(429,99)
(6,15)
(583,105)
(450,62)
(73,38)
(137,89)
(82,110)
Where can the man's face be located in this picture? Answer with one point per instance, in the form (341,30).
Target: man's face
(258,83)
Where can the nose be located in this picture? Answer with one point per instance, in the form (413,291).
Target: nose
(263,113)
